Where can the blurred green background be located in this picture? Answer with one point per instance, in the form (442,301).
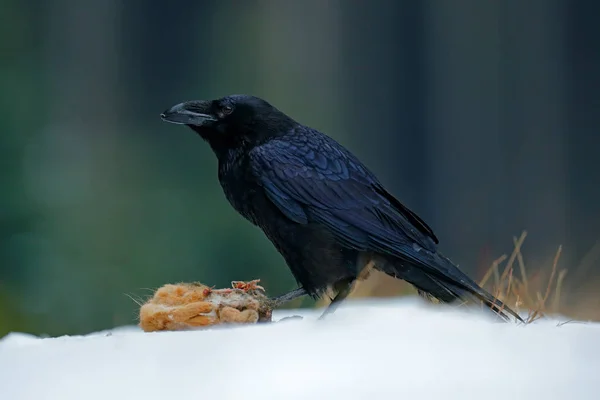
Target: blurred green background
(482,116)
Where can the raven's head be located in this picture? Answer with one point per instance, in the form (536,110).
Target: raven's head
(231,122)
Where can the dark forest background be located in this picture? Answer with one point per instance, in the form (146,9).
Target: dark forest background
(481,116)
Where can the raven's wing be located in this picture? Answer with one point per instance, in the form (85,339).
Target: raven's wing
(313,179)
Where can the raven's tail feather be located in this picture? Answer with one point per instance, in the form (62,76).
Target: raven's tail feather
(436,276)
(447,292)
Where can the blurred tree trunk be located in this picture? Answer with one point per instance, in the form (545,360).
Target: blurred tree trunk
(74,163)
(299,63)
(497,126)
(583,44)
(383,91)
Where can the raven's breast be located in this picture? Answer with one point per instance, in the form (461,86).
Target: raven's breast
(310,250)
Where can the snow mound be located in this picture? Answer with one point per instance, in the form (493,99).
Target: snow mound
(397,349)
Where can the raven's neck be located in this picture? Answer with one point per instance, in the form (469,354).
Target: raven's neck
(243,138)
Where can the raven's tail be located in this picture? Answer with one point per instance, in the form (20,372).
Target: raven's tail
(436,276)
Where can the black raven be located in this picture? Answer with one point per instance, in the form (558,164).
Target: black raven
(325,212)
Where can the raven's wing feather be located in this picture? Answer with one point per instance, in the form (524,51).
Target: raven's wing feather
(317,180)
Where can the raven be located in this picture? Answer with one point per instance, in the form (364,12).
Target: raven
(327,214)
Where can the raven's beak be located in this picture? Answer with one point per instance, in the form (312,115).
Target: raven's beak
(189,113)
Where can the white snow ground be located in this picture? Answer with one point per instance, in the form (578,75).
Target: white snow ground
(370,350)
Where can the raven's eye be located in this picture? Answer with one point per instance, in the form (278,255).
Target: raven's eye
(226,110)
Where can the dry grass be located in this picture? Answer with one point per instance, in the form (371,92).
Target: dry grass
(536,291)
(521,292)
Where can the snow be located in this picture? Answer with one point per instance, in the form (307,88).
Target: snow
(398,349)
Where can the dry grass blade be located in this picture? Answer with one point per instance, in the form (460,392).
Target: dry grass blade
(510,278)
(538,312)
(513,256)
(559,281)
(554,265)
(541,308)
(521,265)
(493,267)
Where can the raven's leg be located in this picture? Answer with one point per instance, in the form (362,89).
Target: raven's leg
(284,298)
(366,271)
(343,288)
